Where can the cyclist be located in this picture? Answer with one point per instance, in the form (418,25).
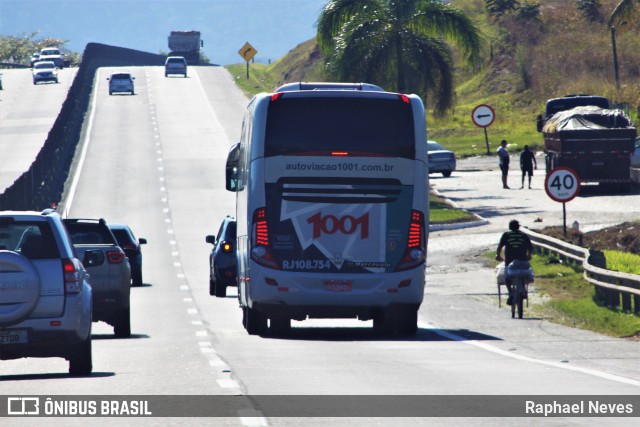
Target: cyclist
(517,246)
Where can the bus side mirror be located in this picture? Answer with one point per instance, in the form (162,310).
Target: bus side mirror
(232,168)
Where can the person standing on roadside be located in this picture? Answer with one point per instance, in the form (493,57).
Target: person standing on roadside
(503,156)
(527,164)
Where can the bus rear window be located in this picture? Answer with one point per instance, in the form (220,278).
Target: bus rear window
(354,126)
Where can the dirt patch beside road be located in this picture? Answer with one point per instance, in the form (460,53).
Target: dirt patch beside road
(623,237)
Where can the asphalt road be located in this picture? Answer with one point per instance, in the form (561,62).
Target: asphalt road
(27,113)
(155,160)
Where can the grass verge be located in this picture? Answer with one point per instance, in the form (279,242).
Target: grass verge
(624,262)
(442,212)
(561,295)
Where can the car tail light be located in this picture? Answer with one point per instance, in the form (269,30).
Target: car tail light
(72,276)
(415,253)
(261,251)
(115,257)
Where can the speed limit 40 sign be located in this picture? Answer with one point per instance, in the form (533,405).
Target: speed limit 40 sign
(562,184)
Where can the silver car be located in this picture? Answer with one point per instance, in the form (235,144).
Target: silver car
(45,71)
(440,160)
(45,295)
(121,82)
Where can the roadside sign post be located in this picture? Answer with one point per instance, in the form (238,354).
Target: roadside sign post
(247,52)
(562,184)
(483,116)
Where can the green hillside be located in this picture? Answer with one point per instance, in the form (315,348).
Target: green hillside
(564,52)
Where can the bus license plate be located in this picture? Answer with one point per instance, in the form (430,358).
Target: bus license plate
(338,285)
(13,337)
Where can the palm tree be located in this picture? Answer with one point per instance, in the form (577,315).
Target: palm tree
(399,44)
(625,10)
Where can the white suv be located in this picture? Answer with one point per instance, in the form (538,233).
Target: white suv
(45,296)
(175,65)
(52,54)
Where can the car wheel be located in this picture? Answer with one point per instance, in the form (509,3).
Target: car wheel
(212,285)
(80,362)
(110,93)
(220,288)
(446,174)
(136,275)
(122,327)
(56,80)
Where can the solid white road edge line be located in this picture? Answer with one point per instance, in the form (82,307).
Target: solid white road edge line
(496,350)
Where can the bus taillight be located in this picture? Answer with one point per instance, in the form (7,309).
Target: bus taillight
(261,251)
(415,252)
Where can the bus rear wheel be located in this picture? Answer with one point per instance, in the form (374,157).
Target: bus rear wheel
(407,323)
(255,321)
(280,326)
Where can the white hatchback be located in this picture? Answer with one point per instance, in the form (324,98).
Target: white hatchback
(121,82)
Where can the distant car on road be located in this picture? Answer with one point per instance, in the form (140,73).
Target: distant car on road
(52,54)
(121,82)
(45,295)
(132,248)
(175,65)
(223,270)
(110,272)
(35,57)
(45,71)
(439,159)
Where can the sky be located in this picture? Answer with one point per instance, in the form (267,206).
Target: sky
(272,27)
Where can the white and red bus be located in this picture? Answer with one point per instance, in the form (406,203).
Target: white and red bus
(332,206)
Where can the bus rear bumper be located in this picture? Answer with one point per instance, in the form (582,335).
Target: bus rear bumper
(303,312)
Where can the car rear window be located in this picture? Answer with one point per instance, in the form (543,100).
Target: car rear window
(33,239)
(121,76)
(89,234)
(434,146)
(122,236)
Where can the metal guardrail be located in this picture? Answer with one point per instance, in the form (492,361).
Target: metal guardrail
(613,288)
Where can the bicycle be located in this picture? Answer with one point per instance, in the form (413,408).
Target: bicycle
(520,274)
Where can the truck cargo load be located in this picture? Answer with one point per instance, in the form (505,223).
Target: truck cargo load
(186,44)
(596,142)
